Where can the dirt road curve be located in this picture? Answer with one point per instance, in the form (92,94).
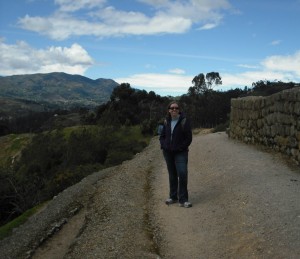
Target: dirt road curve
(246,204)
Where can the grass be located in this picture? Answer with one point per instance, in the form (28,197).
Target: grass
(11,145)
(7,229)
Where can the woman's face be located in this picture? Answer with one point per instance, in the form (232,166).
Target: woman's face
(174,110)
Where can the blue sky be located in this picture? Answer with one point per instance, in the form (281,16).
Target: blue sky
(156,45)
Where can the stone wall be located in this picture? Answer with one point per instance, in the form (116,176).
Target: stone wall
(273,121)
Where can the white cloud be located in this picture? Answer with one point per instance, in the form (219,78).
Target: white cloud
(163,84)
(208,26)
(62,26)
(247,78)
(23,59)
(275,42)
(289,63)
(71,5)
(178,71)
(274,68)
(107,21)
(197,11)
(150,66)
(248,66)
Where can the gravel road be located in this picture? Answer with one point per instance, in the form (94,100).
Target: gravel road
(246,204)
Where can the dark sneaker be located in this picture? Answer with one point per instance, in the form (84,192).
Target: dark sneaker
(186,204)
(170,201)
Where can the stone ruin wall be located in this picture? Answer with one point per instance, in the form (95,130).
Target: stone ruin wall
(273,121)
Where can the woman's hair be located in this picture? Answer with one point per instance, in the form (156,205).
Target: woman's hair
(169,105)
(173,102)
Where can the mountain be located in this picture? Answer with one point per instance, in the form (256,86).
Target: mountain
(59,90)
(12,108)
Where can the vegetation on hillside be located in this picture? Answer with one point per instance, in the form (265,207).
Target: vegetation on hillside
(54,160)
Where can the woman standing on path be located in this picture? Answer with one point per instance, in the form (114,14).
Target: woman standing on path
(175,138)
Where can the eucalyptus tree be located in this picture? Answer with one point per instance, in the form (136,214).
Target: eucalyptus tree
(213,79)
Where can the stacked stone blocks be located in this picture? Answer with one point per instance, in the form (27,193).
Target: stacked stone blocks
(273,121)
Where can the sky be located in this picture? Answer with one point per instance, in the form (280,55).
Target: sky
(154,45)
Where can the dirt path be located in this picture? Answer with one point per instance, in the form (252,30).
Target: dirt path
(246,204)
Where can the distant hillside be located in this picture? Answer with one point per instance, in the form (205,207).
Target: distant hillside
(57,89)
(12,108)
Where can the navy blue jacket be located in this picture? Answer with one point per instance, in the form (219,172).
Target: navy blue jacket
(182,136)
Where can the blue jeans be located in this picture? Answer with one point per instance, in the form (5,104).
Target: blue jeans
(178,174)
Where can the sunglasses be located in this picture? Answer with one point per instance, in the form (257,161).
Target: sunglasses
(174,108)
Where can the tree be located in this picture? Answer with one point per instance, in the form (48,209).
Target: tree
(204,84)
(199,84)
(213,78)
(122,92)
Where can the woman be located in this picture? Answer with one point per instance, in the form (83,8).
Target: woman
(175,138)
